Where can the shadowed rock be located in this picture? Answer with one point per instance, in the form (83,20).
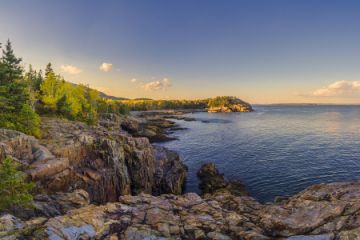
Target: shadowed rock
(212,181)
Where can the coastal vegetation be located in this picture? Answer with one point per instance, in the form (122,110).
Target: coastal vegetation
(24,95)
(208,103)
(15,191)
(228,104)
(15,99)
(149,104)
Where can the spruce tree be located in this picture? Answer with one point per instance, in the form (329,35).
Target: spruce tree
(15,109)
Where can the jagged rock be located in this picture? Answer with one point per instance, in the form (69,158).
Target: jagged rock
(320,209)
(60,203)
(9,223)
(211,181)
(54,204)
(130,124)
(105,162)
(17,145)
(170,176)
(147,217)
(321,212)
(210,178)
(152,125)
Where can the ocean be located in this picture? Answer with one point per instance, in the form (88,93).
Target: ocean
(278,150)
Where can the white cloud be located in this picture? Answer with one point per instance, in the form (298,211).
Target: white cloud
(134,80)
(341,88)
(157,85)
(105,67)
(70,69)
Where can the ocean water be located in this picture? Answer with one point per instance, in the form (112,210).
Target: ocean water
(276,150)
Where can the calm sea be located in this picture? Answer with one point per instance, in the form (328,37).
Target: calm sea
(276,150)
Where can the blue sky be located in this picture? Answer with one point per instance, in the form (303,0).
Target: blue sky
(261,51)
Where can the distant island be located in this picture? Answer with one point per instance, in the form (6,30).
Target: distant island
(228,104)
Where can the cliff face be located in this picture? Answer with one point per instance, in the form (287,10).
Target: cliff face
(106,162)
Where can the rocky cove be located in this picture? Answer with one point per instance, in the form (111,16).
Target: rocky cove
(110,182)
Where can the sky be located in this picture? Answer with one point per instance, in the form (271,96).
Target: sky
(277,51)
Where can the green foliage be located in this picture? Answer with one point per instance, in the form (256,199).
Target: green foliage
(148,104)
(16,111)
(11,68)
(144,104)
(75,102)
(112,106)
(14,190)
(51,90)
(26,121)
(33,80)
(224,101)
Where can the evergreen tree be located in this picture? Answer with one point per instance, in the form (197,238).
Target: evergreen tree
(33,79)
(48,69)
(11,64)
(14,190)
(15,109)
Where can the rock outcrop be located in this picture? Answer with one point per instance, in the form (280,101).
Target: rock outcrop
(53,205)
(212,181)
(155,127)
(105,161)
(325,211)
(146,217)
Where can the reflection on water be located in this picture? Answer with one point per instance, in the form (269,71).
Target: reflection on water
(277,150)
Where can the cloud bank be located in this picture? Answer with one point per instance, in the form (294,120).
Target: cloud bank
(134,80)
(157,85)
(342,88)
(70,69)
(105,67)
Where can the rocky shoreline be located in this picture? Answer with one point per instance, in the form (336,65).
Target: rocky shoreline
(110,182)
